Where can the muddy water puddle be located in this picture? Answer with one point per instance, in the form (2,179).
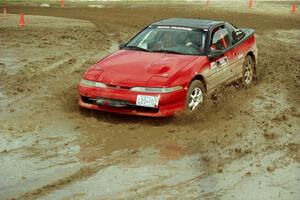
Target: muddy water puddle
(3,99)
(34,159)
(133,179)
(151,173)
(11,62)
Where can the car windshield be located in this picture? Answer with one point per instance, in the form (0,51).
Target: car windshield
(176,40)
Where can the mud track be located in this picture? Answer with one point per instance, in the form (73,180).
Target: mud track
(244,144)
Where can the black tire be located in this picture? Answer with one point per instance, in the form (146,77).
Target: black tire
(248,71)
(195,86)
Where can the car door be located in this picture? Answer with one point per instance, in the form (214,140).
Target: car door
(220,67)
(238,57)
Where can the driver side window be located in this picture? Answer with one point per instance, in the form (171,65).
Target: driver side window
(220,39)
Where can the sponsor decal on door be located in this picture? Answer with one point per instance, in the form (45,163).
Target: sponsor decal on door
(219,64)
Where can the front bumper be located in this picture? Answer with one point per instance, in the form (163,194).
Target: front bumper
(123,101)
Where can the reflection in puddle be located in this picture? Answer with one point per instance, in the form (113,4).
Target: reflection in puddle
(173,151)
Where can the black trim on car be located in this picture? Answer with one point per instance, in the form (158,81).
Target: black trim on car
(118,104)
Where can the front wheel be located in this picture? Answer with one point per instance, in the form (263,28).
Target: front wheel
(248,71)
(195,96)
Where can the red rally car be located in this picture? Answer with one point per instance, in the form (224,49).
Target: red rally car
(170,66)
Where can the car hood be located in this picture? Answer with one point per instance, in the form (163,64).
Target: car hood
(131,68)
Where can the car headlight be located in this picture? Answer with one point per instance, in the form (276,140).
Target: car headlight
(156,89)
(92,83)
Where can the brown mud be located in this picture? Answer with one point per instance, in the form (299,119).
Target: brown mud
(244,144)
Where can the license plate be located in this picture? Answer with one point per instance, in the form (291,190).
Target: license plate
(147,101)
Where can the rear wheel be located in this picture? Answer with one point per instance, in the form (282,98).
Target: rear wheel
(195,96)
(248,71)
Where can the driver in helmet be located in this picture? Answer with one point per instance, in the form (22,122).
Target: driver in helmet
(168,40)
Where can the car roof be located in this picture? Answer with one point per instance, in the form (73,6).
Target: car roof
(188,22)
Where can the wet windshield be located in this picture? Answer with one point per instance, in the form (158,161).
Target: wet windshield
(177,40)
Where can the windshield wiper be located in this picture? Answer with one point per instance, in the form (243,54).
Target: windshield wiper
(136,48)
(168,51)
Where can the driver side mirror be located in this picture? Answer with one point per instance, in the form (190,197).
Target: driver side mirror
(122,45)
(238,34)
(215,54)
